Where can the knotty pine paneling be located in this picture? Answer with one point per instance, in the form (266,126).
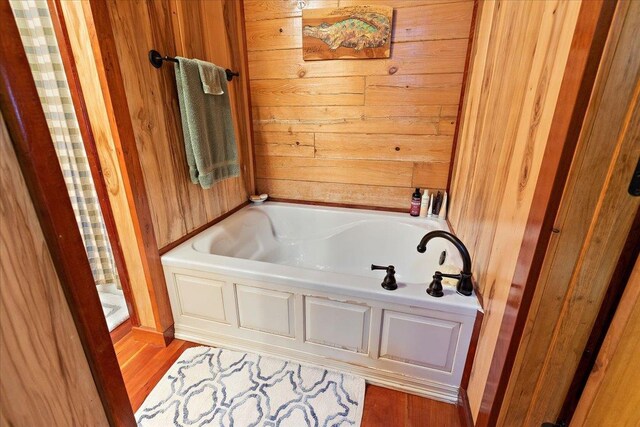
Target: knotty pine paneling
(520,53)
(436,56)
(410,148)
(429,21)
(210,31)
(46,378)
(426,89)
(325,91)
(329,130)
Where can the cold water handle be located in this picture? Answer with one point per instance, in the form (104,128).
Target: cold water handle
(389,281)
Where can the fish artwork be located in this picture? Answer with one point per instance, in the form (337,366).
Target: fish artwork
(367,30)
(347,33)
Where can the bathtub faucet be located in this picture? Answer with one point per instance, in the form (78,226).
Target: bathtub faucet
(389,282)
(464,286)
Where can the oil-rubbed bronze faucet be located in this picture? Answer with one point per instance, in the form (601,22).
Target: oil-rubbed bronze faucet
(389,282)
(464,285)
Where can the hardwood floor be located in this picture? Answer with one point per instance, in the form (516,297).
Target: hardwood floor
(143,365)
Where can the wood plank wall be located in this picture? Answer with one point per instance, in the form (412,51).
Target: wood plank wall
(211,31)
(520,53)
(46,379)
(594,219)
(611,394)
(360,132)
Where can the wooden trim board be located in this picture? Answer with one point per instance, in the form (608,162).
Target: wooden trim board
(32,142)
(152,336)
(570,125)
(584,58)
(87,65)
(200,229)
(89,142)
(41,355)
(120,331)
(610,395)
(97,17)
(465,78)
(464,409)
(615,290)
(338,205)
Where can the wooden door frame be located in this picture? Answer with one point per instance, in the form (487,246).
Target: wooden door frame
(27,126)
(613,297)
(111,107)
(587,46)
(615,337)
(89,143)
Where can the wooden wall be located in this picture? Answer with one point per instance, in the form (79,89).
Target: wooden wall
(362,132)
(210,31)
(611,394)
(594,219)
(46,379)
(106,140)
(134,114)
(520,53)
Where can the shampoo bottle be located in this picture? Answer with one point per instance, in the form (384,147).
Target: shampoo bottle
(415,203)
(424,204)
(443,209)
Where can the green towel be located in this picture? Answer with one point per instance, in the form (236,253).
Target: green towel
(209,137)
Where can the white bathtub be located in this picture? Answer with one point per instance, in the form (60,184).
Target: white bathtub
(295,281)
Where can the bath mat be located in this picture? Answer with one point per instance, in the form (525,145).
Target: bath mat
(114,305)
(216,387)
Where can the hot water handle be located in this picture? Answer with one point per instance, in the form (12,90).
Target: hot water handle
(389,281)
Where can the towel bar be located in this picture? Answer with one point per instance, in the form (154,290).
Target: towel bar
(157,60)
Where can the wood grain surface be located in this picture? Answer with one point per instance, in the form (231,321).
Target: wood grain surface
(594,219)
(610,396)
(506,121)
(327,130)
(588,43)
(107,150)
(92,40)
(46,379)
(59,239)
(135,118)
(95,148)
(210,31)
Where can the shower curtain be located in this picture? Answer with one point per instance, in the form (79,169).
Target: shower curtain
(41,46)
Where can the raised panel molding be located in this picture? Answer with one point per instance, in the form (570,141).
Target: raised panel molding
(201,298)
(434,349)
(265,310)
(337,324)
(322,328)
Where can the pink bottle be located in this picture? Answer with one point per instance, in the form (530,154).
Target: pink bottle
(415,203)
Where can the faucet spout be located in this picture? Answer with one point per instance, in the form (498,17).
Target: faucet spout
(464,286)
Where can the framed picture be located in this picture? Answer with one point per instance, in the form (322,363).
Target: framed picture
(356,32)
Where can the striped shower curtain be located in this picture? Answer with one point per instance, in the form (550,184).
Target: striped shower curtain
(41,46)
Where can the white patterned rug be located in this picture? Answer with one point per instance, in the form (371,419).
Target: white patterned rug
(114,305)
(215,387)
